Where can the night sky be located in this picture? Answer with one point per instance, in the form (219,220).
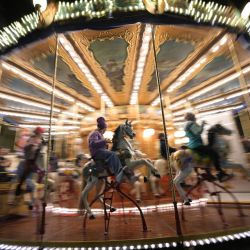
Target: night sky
(13,10)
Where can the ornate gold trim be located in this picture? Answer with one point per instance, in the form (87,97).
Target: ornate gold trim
(131,34)
(200,37)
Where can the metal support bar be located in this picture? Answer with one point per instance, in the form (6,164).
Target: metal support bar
(177,219)
(44,203)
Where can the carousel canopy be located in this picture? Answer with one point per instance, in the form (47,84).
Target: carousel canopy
(109,56)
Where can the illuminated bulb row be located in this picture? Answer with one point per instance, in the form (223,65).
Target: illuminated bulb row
(27,102)
(44,86)
(141,63)
(87,9)
(79,62)
(53,127)
(219,239)
(202,61)
(61,133)
(38,117)
(10,34)
(128,210)
(178,103)
(85,106)
(214,86)
(198,10)
(81,8)
(180,122)
(205,113)
(201,11)
(57,121)
(186,243)
(67,113)
(209,102)
(218,84)
(37,82)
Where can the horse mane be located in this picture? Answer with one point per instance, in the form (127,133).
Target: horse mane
(211,135)
(115,138)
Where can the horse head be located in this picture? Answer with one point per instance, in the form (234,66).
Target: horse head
(221,130)
(214,135)
(120,132)
(128,129)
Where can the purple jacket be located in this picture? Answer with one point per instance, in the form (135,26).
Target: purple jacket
(96,141)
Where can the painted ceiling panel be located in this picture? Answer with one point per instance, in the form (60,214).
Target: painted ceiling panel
(171,54)
(22,87)
(218,65)
(234,84)
(64,73)
(111,55)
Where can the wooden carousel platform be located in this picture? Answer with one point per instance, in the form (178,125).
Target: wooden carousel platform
(64,228)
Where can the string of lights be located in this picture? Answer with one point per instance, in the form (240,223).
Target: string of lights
(198,10)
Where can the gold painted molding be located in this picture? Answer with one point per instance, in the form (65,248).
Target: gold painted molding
(131,34)
(23,57)
(200,37)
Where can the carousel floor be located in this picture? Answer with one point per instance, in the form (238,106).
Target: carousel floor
(68,228)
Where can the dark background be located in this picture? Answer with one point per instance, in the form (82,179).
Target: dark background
(13,10)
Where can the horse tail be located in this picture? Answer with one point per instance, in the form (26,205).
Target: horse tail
(83,183)
(115,139)
(114,145)
(84,180)
(211,137)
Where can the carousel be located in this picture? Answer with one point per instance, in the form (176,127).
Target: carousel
(131,70)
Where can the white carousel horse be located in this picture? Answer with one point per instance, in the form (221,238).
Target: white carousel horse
(132,158)
(161,165)
(128,155)
(93,176)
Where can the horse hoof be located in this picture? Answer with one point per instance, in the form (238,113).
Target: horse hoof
(138,200)
(145,179)
(157,175)
(91,217)
(208,177)
(80,212)
(224,177)
(112,209)
(186,203)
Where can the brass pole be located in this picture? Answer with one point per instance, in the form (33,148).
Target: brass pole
(44,203)
(177,219)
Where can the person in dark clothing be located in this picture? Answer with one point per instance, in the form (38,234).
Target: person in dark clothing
(163,150)
(31,153)
(163,153)
(99,151)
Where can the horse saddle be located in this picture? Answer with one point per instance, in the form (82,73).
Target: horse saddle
(95,168)
(124,154)
(200,158)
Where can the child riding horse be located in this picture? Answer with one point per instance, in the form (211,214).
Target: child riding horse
(185,159)
(122,149)
(193,132)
